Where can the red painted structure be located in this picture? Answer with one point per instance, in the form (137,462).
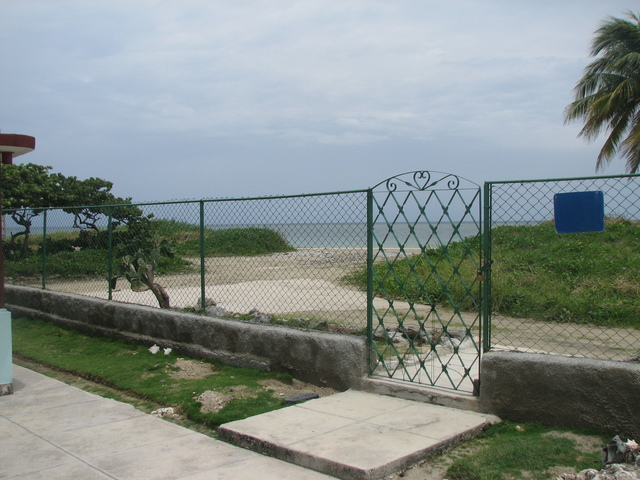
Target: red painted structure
(11,145)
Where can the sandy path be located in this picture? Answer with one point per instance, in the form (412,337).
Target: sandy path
(306,283)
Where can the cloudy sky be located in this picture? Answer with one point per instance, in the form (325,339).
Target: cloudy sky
(211,98)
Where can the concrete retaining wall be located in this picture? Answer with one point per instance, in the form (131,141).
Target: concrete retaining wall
(555,390)
(550,389)
(324,359)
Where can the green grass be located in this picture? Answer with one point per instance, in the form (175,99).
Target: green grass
(526,451)
(246,241)
(133,374)
(133,369)
(421,278)
(82,263)
(537,273)
(92,258)
(584,278)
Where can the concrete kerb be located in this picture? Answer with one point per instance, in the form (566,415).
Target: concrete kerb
(556,390)
(324,359)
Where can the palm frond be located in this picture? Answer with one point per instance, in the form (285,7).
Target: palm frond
(631,146)
(607,97)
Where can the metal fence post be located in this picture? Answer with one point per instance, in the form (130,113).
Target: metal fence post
(486,300)
(370,271)
(110,255)
(203,302)
(44,250)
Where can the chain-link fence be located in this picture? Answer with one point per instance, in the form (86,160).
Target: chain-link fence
(571,294)
(271,259)
(285,260)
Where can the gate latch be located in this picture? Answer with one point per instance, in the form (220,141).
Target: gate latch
(480,274)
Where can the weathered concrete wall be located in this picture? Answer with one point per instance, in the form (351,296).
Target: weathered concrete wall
(556,390)
(324,359)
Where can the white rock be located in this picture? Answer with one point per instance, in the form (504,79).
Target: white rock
(164,412)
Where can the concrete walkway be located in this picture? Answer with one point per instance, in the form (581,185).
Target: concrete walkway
(51,430)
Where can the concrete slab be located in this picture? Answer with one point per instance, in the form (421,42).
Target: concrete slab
(356,435)
(50,430)
(66,472)
(75,416)
(35,453)
(54,431)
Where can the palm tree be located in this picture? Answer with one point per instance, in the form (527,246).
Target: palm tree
(607,97)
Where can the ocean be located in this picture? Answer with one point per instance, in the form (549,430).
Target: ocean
(354,235)
(338,235)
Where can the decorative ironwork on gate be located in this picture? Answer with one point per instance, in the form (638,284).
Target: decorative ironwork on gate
(425,274)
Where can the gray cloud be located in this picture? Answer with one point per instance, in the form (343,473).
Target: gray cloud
(174,99)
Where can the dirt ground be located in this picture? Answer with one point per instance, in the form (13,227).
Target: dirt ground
(214,401)
(307,284)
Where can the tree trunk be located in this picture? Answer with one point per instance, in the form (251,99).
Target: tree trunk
(161,294)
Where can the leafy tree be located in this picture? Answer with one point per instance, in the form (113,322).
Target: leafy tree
(607,97)
(91,199)
(91,192)
(28,189)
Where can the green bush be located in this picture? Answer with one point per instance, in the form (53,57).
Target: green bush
(231,242)
(74,254)
(537,273)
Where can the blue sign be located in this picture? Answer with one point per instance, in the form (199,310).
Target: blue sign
(579,212)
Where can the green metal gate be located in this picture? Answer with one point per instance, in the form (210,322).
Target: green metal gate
(425,276)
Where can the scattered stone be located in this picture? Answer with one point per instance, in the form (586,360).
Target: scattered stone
(260,317)
(457,334)
(618,451)
(414,333)
(456,338)
(164,412)
(391,333)
(616,471)
(215,311)
(343,329)
(621,462)
(208,302)
(318,325)
(6,389)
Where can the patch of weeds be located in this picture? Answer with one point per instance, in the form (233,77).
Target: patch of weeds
(536,273)
(526,451)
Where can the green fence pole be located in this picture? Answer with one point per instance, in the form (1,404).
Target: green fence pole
(370,273)
(110,255)
(486,301)
(203,303)
(44,251)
